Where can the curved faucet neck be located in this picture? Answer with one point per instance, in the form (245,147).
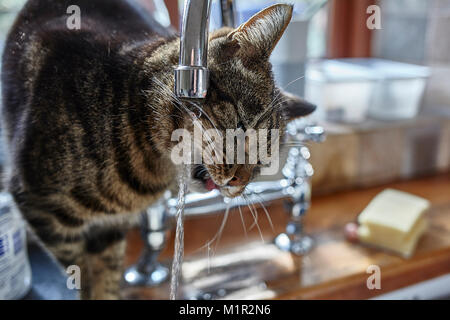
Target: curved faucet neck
(192,75)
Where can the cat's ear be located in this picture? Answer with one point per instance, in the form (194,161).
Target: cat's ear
(294,107)
(260,34)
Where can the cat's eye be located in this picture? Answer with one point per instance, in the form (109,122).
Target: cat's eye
(241,125)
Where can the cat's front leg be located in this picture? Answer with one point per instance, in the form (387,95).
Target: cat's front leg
(105,250)
(60,233)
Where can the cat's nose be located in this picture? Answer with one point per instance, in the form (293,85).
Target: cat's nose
(235,182)
(240,178)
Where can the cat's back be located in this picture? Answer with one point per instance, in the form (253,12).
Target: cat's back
(66,94)
(42,26)
(112,20)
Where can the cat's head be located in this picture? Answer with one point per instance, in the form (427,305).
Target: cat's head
(242,94)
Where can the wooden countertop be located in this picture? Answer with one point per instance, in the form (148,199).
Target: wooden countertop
(335,268)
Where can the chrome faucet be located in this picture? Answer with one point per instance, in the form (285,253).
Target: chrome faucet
(191,81)
(192,74)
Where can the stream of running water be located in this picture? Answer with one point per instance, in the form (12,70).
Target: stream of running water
(179,233)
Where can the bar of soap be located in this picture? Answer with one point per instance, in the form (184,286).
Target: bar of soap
(393,220)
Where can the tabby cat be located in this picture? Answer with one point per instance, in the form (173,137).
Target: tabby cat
(88,114)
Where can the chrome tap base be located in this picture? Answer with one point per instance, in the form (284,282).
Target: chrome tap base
(298,246)
(154,225)
(151,278)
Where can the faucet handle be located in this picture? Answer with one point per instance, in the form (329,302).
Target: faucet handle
(313,133)
(148,271)
(300,130)
(298,172)
(297,168)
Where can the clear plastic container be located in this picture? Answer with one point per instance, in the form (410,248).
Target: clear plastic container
(341,91)
(15,271)
(350,90)
(399,88)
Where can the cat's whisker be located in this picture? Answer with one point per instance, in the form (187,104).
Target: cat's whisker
(222,227)
(177,102)
(266,212)
(180,106)
(278,101)
(274,104)
(279,104)
(208,147)
(297,144)
(292,82)
(206,115)
(242,220)
(218,235)
(255,217)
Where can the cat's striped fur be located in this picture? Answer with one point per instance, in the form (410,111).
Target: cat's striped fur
(88,115)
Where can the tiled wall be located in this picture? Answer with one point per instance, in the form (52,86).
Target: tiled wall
(438,54)
(417,31)
(443,157)
(438,40)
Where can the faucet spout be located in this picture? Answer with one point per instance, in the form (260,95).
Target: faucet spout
(192,75)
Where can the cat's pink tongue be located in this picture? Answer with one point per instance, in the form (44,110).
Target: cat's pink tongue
(210,185)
